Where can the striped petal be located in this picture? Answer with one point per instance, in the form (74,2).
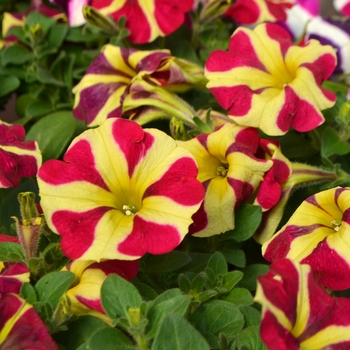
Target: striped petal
(85,294)
(18,158)
(275,84)
(230,173)
(21,327)
(342,6)
(298,313)
(12,278)
(146,19)
(318,234)
(258,11)
(106,84)
(120,192)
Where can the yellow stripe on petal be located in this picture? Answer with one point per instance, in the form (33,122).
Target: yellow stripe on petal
(331,335)
(6,329)
(114,6)
(303,300)
(115,58)
(148,8)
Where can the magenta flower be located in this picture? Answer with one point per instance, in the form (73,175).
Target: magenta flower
(298,313)
(18,158)
(120,192)
(146,19)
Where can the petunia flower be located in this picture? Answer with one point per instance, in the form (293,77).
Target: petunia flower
(101,92)
(230,173)
(334,32)
(21,327)
(275,85)
(120,192)
(298,313)
(146,19)
(12,278)
(73,9)
(18,158)
(318,234)
(258,11)
(343,6)
(281,188)
(85,293)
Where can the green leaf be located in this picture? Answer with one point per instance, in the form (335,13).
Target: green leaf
(57,34)
(176,333)
(8,85)
(34,18)
(53,133)
(45,77)
(11,252)
(234,256)
(164,305)
(247,220)
(28,293)
(239,296)
(117,295)
(250,339)
(217,317)
(231,279)
(146,291)
(108,339)
(251,315)
(51,287)
(218,264)
(251,273)
(38,109)
(331,144)
(184,283)
(80,331)
(166,262)
(198,282)
(16,54)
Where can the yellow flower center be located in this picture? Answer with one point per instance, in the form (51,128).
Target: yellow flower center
(129,210)
(336,224)
(221,171)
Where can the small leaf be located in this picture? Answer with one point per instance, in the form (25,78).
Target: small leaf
(217,317)
(235,257)
(251,273)
(53,133)
(250,339)
(231,279)
(51,287)
(28,293)
(331,144)
(16,54)
(217,263)
(176,333)
(184,283)
(117,295)
(11,252)
(108,339)
(247,220)
(239,296)
(8,85)
(197,284)
(252,316)
(166,262)
(164,305)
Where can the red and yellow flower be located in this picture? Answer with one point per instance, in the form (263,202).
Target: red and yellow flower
(18,158)
(318,234)
(110,78)
(85,293)
(146,19)
(258,11)
(275,85)
(120,192)
(298,313)
(230,173)
(21,327)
